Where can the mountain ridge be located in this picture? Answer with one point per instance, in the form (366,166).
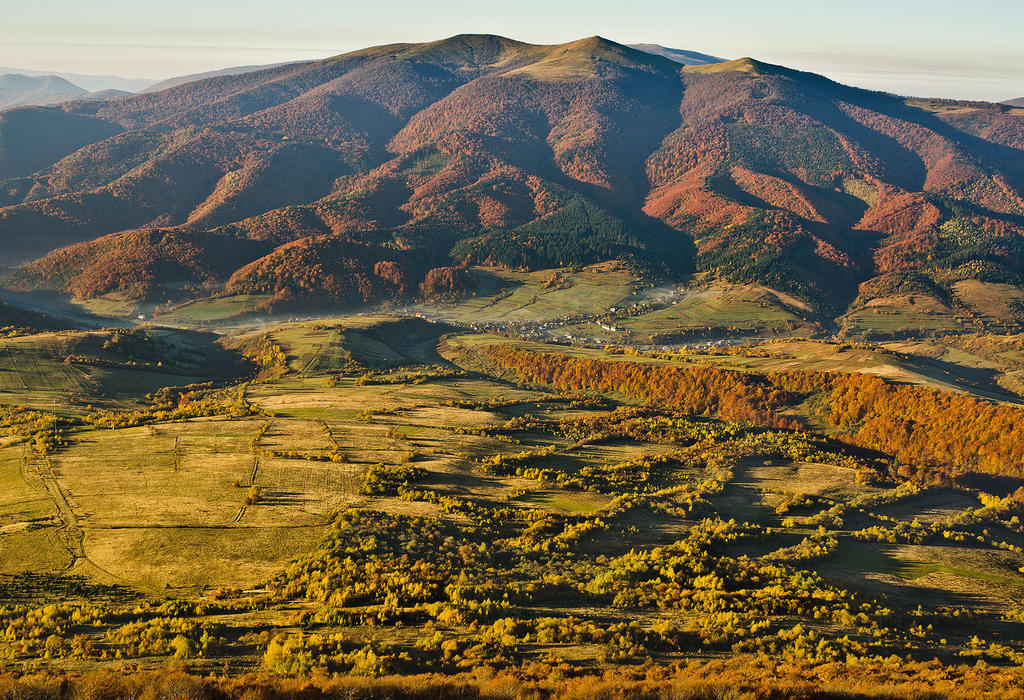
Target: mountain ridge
(480,148)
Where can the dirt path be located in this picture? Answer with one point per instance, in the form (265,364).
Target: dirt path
(254,447)
(72,534)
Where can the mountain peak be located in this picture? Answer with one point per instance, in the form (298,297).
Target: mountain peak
(469,50)
(582,58)
(482,51)
(744,65)
(592,43)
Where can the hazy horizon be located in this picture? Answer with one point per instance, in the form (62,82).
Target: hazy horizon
(936,49)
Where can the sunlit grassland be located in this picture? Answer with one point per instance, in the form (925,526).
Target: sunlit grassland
(112,306)
(564,502)
(897,317)
(748,309)
(511,296)
(912,564)
(22,501)
(33,372)
(30,536)
(993,302)
(212,309)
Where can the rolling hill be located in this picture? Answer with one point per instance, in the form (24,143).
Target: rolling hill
(480,149)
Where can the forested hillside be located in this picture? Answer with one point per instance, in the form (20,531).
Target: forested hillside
(480,149)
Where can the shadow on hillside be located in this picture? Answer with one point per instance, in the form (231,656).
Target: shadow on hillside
(976,380)
(990,483)
(412,340)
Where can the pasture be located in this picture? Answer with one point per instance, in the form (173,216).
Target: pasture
(69,370)
(721,309)
(551,496)
(902,317)
(210,311)
(499,295)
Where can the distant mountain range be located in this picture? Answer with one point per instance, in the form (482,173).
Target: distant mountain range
(88,83)
(18,90)
(373,175)
(1018,102)
(20,87)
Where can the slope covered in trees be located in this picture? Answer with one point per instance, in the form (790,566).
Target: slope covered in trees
(331,271)
(931,433)
(14,319)
(534,156)
(139,264)
(32,138)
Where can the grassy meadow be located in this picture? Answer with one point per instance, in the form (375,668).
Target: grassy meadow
(372,495)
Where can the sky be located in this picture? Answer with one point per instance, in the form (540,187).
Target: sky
(931,48)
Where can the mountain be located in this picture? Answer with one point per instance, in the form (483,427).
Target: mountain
(21,90)
(182,79)
(88,83)
(353,178)
(686,58)
(1019,102)
(16,90)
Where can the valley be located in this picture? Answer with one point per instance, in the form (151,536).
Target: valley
(488,369)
